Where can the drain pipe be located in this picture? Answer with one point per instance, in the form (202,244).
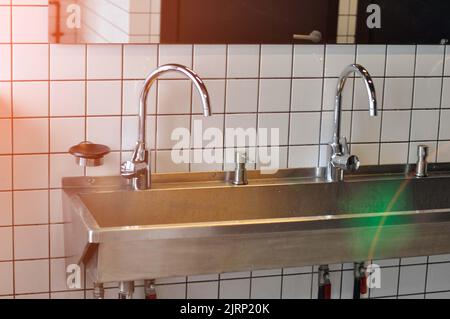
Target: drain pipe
(126,289)
(360,290)
(150,290)
(324,282)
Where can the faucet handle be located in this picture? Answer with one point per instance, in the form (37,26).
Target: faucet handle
(345,160)
(344,146)
(130,169)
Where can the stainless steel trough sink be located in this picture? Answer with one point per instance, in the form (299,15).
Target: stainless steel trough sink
(191,224)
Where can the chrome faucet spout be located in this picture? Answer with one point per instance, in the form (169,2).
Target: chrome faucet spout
(138,168)
(340,159)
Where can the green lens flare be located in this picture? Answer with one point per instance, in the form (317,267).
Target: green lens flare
(375,234)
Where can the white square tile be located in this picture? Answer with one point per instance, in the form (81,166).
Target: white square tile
(271,121)
(412,279)
(31,276)
(6,176)
(307,94)
(180,54)
(389,281)
(413,260)
(174,97)
(202,127)
(6,249)
(67,62)
(425,125)
(210,60)
(437,279)
(216,90)
(235,289)
(5,209)
(304,128)
(327,126)
(61,104)
(31,207)
(400,60)
(139,60)
(360,99)
(203,290)
(396,126)
(365,128)
(165,163)
(57,241)
(30,99)
(308,60)
(65,133)
(204,165)
(430,60)
(274,95)
(6,140)
(439,295)
(427,93)
(243,61)
(104,97)
(62,165)
(6,278)
(367,153)
(58,275)
(242,96)
(30,171)
(5,99)
(276,61)
(30,62)
(347,284)
(329,94)
(439,258)
(447,60)
(104,62)
(443,155)
(240,123)
(303,156)
(131,96)
(394,153)
(5,62)
(446,93)
(177,291)
(130,132)
(104,130)
(198,278)
(30,136)
(372,57)
(297,287)
(444,132)
(266,288)
(35,29)
(337,58)
(166,125)
(31,242)
(110,167)
(398,93)
(5,24)
(56,206)
(270,159)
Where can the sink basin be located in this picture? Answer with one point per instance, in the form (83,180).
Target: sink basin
(192,224)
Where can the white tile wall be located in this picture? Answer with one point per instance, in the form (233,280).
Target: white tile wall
(60,95)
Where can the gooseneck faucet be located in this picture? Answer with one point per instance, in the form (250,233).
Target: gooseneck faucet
(341,160)
(138,169)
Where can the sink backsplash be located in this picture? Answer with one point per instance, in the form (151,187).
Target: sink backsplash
(54,96)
